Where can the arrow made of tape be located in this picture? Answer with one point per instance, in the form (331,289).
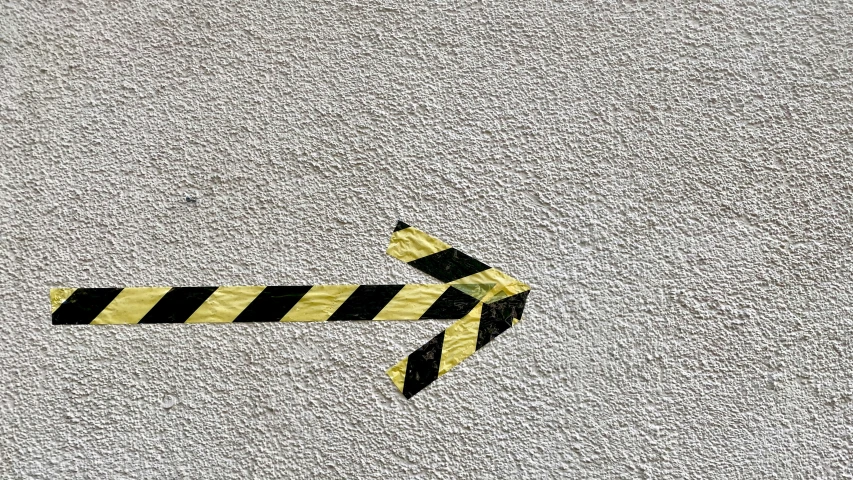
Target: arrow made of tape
(484,301)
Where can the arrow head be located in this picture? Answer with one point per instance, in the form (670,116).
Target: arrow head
(501,300)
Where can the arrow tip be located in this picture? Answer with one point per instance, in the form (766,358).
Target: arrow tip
(400,226)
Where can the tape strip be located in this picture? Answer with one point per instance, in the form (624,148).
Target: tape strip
(177,305)
(437,259)
(316,303)
(412,301)
(409,244)
(456,343)
(130,305)
(319,303)
(272,304)
(225,304)
(83,306)
(366,302)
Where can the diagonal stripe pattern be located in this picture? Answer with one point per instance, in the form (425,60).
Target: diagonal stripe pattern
(317,303)
(484,301)
(500,303)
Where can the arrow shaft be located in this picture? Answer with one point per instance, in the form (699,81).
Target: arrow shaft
(310,303)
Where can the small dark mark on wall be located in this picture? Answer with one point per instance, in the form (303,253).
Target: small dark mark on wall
(191,199)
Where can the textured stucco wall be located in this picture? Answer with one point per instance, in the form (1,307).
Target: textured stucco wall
(675,181)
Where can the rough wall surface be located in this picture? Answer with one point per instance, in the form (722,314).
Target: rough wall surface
(674,180)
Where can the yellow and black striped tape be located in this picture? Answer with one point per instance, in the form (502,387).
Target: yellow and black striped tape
(499,307)
(318,303)
(483,300)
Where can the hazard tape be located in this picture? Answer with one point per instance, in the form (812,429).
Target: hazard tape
(483,300)
(499,307)
(317,303)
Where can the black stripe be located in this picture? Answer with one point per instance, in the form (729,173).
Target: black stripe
(84,305)
(178,305)
(272,304)
(422,367)
(400,226)
(451,305)
(365,302)
(449,265)
(497,317)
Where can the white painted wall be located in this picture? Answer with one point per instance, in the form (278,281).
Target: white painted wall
(675,181)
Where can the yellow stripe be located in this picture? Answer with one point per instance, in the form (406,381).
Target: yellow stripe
(476,290)
(504,285)
(319,303)
(411,244)
(460,340)
(411,302)
(59,295)
(130,305)
(398,373)
(225,304)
